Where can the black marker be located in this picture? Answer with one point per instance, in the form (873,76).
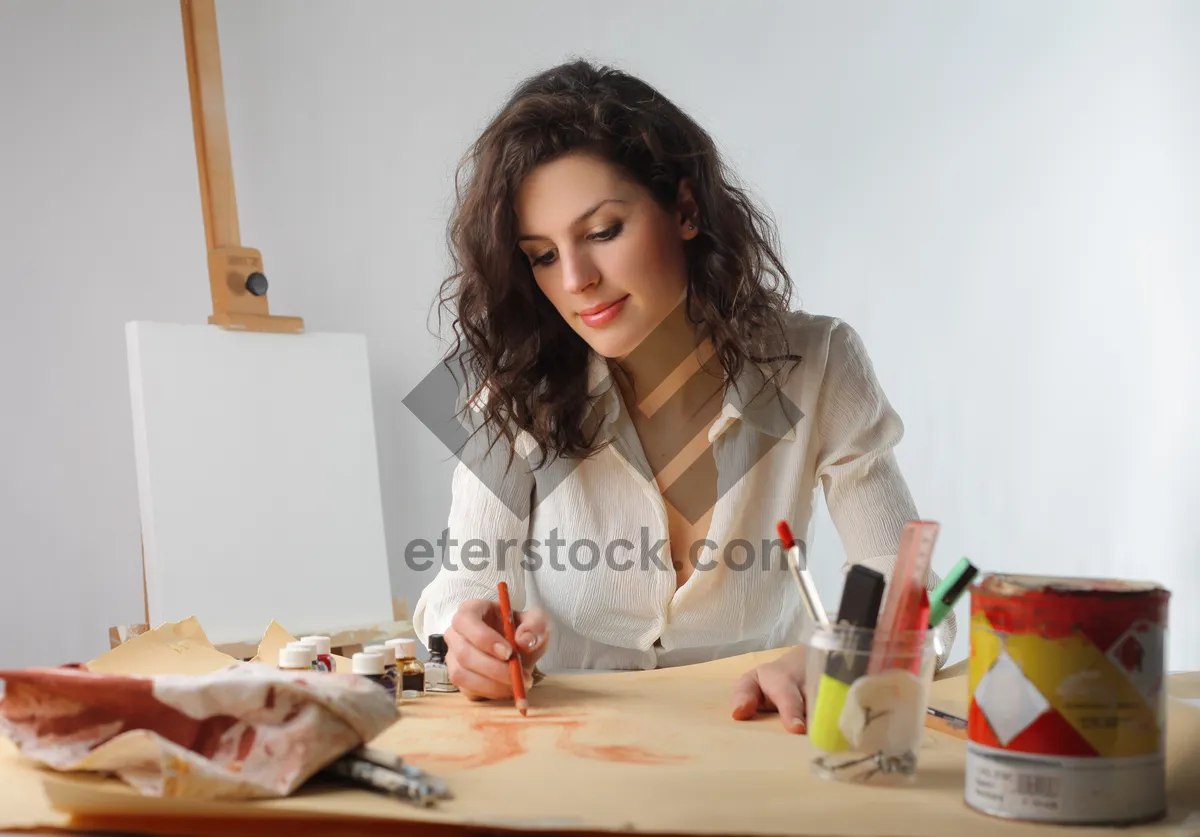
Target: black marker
(859,609)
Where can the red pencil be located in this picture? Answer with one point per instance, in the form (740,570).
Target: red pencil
(514,662)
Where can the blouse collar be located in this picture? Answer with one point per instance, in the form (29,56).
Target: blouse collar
(753,398)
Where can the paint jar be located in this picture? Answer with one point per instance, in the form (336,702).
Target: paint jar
(294,659)
(369,666)
(412,670)
(437,677)
(866,694)
(1067,700)
(309,648)
(391,672)
(324,652)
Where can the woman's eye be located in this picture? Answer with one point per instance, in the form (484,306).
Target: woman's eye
(544,259)
(606,234)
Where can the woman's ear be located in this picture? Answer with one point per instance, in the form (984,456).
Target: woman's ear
(687,212)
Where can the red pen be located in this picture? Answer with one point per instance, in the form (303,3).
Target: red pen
(514,661)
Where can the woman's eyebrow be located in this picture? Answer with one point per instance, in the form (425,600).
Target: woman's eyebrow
(583,217)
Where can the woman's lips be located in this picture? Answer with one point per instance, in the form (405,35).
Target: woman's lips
(603,314)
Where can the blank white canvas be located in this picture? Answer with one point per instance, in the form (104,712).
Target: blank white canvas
(258,479)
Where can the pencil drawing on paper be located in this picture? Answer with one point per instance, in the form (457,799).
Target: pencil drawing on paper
(492,739)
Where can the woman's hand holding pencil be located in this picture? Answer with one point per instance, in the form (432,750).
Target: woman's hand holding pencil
(478,650)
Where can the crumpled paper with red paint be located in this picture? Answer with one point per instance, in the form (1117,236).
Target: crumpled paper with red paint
(247,731)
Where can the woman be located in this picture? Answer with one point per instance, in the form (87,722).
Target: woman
(644,406)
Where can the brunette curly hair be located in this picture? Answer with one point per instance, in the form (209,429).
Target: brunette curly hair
(508,339)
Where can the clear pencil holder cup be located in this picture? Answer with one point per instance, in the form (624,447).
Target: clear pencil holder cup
(866,694)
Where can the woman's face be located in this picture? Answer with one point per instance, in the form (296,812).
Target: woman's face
(604,252)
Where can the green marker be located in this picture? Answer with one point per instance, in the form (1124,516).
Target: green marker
(950,590)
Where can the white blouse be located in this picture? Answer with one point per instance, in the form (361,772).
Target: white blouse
(587,539)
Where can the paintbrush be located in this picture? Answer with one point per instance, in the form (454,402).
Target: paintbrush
(383,773)
(434,786)
(946,723)
(804,581)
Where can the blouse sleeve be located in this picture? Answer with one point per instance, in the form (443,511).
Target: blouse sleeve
(867,496)
(488,523)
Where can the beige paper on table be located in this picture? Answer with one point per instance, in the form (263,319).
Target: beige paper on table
(275,639)
(23,802)
(172,648)
(648,751)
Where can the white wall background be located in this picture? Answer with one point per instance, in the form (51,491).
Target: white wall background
(1001,197)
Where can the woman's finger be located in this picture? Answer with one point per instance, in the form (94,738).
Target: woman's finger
(471,623)
(532,634)
(782,689)
(469,658)
(747,696)
(473,685)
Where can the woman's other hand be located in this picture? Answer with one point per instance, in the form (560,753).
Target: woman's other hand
(477,652)
(774,687)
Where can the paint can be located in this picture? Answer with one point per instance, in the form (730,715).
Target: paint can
(1067,700)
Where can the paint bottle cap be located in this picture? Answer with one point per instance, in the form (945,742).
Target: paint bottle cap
(307,647)
(404,648)
(388,654)
(294,658)
(437,645)
(322,643)
(366,663)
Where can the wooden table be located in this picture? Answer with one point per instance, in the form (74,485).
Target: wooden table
(651,752)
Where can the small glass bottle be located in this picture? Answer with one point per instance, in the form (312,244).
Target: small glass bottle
(308,648)
(369,666)
(437,678)
(294,659)
(412,670)
(391,671)
(324,652)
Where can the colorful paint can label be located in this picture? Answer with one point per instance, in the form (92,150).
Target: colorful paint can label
(1067,700)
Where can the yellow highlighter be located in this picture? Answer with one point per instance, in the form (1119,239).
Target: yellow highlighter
(849,652)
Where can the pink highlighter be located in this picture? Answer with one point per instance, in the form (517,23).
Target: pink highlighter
(906,609)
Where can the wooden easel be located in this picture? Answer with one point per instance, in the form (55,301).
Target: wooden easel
(235,273)
(237,281)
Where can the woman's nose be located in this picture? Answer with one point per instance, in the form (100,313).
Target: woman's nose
(579,272)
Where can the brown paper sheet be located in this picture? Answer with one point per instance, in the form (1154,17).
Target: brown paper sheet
(172,648)
(23,802)
(637,751)
(275,639)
